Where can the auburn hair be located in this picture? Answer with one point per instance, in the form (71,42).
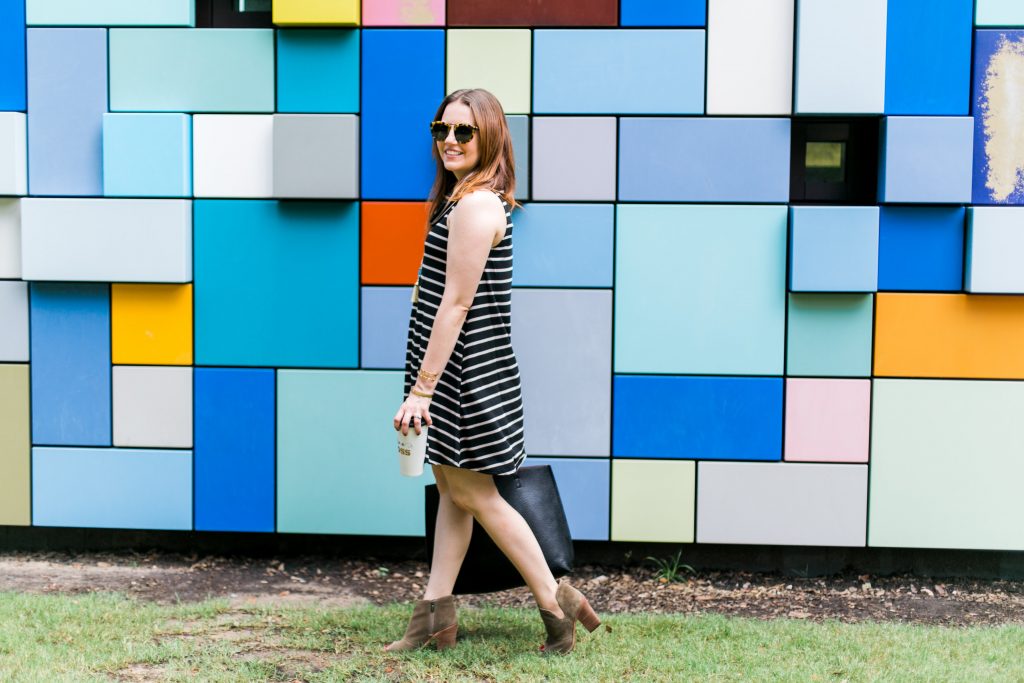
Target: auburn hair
(496,168)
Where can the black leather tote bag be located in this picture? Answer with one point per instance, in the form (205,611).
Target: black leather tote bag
(531,491)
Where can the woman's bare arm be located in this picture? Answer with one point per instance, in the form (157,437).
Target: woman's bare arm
(472,226)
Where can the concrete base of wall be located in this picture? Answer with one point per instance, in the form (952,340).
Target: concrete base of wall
(787,560)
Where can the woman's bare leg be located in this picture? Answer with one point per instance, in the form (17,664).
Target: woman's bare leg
(451,540)
(476,492)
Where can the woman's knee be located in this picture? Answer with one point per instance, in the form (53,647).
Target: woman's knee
(471,491)
(440,479)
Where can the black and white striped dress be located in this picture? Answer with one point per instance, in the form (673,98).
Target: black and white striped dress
(477,407)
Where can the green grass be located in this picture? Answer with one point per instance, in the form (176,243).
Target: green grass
(109,637)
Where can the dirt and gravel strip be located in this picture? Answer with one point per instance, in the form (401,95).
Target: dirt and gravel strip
(342,582)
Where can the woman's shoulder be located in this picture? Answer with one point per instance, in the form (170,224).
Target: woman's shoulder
(482,200)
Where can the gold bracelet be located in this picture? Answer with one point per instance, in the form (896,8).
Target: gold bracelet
(429,376)
(420,393)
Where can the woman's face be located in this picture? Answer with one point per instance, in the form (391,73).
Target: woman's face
(459,158)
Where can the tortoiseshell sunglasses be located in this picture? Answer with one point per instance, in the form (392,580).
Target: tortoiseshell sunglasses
(463,131)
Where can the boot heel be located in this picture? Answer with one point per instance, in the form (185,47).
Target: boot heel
(445,638)
(587,616)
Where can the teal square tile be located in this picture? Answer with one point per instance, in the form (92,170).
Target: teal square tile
(276,283)
(829,335)
(337,456)
(700,289)
(318,70)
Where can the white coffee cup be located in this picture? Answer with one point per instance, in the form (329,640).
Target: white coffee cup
(412,449)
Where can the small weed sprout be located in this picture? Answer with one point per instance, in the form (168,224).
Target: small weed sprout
(670,569)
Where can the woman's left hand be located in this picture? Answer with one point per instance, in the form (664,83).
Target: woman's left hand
(413,413)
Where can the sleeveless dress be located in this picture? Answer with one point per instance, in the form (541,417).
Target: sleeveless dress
(477,407)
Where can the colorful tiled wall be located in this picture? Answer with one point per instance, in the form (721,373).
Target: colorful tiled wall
(769,275)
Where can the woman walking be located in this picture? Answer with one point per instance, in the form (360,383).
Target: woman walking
(461,376)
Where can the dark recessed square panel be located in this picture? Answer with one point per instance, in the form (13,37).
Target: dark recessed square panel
(834,160)
(233,14)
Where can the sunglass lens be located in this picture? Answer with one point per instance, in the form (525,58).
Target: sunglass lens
(463,133)
(439,131)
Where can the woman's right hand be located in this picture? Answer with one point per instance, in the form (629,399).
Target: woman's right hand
(413,413)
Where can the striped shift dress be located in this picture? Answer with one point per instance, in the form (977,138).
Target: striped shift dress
(477,407)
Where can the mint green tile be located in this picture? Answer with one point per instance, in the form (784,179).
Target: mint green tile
(188,70)
(110,12)
(700,288)
(829,335)
(946,464)
(653,500)
(337,455)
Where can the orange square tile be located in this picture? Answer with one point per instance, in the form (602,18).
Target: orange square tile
(392,235)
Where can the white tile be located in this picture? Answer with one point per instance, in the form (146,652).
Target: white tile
(750,57)
(995,249)
(13,158)
(152,406)
(13,321)
(10,238)
(232,155)
(778,503)
(106,240)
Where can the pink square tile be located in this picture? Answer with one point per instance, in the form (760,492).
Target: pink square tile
(827,420)
(403,12)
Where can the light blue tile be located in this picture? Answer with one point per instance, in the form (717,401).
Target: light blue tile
(563,245)
(999,13)
(318,70)
(840,57)
(700,289)
(926,159)
(111,12)
(70,340)
(276,283)
(583,485)
(186,70)
(618,71)
(147,155)
(113,488)
(829,335)
(337,456)
(67,95)
(833,248)
(741,159)
(385,326)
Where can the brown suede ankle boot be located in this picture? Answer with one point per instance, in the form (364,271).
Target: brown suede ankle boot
(562,632)
(431,620)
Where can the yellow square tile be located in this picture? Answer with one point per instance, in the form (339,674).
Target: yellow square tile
(151,324)
(316,12)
